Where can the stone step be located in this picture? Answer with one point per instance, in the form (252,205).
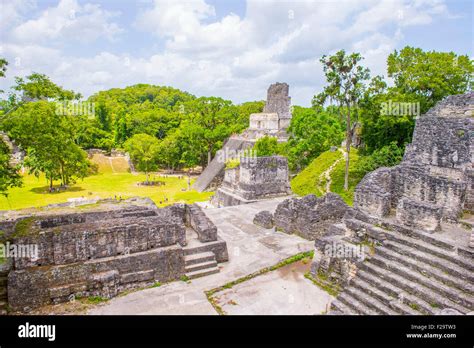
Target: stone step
(429,248)
(199,266)
(413,287)
(3,292)
(445,265)
(453,294)
(389,294)
(366,297)
(202,272)
(356,305)
(3,307)
(3,281)
(384,227)
(341,307)
(426,269)
(199,258)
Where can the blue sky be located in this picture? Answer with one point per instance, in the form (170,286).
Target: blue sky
(232,49)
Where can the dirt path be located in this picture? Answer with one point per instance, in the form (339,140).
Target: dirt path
(326,175)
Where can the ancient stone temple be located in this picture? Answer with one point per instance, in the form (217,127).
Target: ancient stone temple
(276,115)
(273,121)
(411,225)
(253,179)
(107,248)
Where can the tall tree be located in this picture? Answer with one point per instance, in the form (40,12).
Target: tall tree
(143,150)
(345,84)
(48,140)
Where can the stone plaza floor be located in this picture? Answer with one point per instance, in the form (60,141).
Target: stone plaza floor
(251,248)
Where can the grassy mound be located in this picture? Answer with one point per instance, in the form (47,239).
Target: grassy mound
(310,181)
(337,177)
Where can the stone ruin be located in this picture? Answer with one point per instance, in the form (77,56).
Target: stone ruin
(411,225)
(435,180)
(276,115)
(253,179)
(309,217)
(107,248)
(404,248)
(273,121)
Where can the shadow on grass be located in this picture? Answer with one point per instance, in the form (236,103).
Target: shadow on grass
(45,189)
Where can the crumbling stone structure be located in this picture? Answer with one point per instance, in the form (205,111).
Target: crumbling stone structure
(434,182)
(110,247)
(413,222)
(254,178)
(309,217)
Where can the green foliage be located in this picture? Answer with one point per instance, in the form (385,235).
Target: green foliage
(143,150)
(423,77)
(355,176)
(39,87)
(346,85)
(3,67)
(9,176)
(48,139)
(313,131)
(387,156)
(308,181)
(430,75)
(267,146)
(232,163)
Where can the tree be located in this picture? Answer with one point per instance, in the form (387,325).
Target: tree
(431,75)
(9,176)
(39,86)
(345,79)
(3,67)
(48,140)
(267,146)
(214,116)
(143,150)
(313,131)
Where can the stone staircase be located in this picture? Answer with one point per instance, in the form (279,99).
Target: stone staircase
(200,264)
(216,166)
(411,272)
(3,292)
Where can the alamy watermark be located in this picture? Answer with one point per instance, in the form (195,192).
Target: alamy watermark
(392,108)
(29,251)
(75,108)
(246,155)
(344,251)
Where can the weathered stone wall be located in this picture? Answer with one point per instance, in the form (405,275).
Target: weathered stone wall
(100,252)
(205,229)
(36,286)
(85,241)
(263,176)
(310,216)
(254,178)
(278,100)
(264,121)
(434,180)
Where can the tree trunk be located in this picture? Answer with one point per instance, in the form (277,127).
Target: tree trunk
(209,156)
(51,183)
(348,148)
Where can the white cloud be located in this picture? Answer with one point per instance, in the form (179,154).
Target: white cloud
(68,20)
(231,56)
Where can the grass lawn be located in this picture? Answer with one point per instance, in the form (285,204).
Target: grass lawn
(34,192)
(308,182)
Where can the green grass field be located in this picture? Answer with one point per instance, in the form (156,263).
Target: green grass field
(34,192)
